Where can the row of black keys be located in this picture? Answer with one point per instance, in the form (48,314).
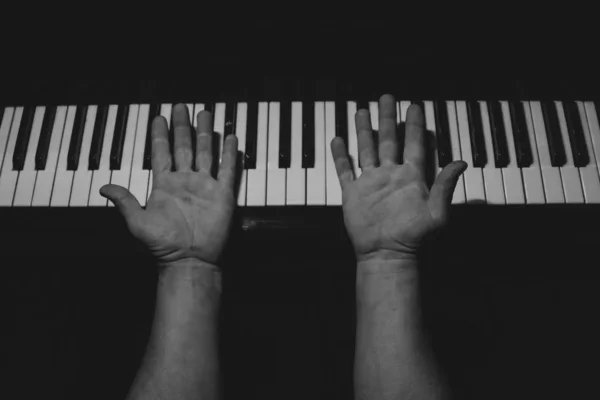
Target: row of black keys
(523,146)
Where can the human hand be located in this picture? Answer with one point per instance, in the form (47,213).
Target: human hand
(389,209)
(188,214)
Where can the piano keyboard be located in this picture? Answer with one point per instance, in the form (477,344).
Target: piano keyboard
(519,152)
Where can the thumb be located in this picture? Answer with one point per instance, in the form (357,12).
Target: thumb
(122,198)
(441,192)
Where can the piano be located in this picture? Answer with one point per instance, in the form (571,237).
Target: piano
(509,287)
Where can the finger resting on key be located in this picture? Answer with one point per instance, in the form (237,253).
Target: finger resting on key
(204,156)
(414,139)
(161,154)
(342,162)
(227,169)
(366,147)
(182,149)
(388,144)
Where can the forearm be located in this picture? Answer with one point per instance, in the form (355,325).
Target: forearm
(181,360)
(392,358)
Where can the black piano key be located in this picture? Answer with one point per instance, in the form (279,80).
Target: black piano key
(285,134)
(76,138)
(308,134)
(476,134)
(498,131)
(116,150)
(230,110)
(555,143)
(575,129)
(23,138)
(520,133)
(98,138)
(153,112)
(444,147)
(341,120)
(251,136)
(41,153)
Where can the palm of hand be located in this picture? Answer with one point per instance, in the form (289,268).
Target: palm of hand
(185,209)
(387,209)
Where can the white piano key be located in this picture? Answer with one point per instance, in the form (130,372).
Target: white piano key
(45,178)
(374,113)
(513,181)
(296,175)
(197,108)
(8,179)
(334,190)
(240,132)
(571,179)
(219,129)
(63,179)
(27,177)
(431,130)
(121,176)
(474,189)
(590,181)
(275,176)
(101,176)
(532,175)
(138,181)
(589,174)
(551,175)
(315,177)
(398,119)
(459,192)
(4,131)
(404,105)
(352,139)
(492,176)
(82,179)
(190,108)
(165,111)
(257,178)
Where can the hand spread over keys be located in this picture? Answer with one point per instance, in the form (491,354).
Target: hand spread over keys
(389,209)
(188,215)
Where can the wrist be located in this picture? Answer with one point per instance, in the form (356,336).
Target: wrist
(385,262)
(191,273)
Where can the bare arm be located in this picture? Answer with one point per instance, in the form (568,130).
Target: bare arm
(388,211)
(185,226)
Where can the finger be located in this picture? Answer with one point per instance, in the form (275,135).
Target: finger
(414,139)
(161,156)
(388,145)
(442,190)
(228,161)
(342,162)
(125,202)
(366,149)
(204,142)
(182,147)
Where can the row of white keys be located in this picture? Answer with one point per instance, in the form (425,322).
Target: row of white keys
(334,189)
(511,174)
(592,137)
(492,176)
(473,176)
(589,178)
(257,178)
(101,176)
(26,178)
(296,175)
(276,176)
(315,177)
(550,175)
(45,178)
(10,176)
(138,182)
(82,178)
(458,197)
(122,176)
